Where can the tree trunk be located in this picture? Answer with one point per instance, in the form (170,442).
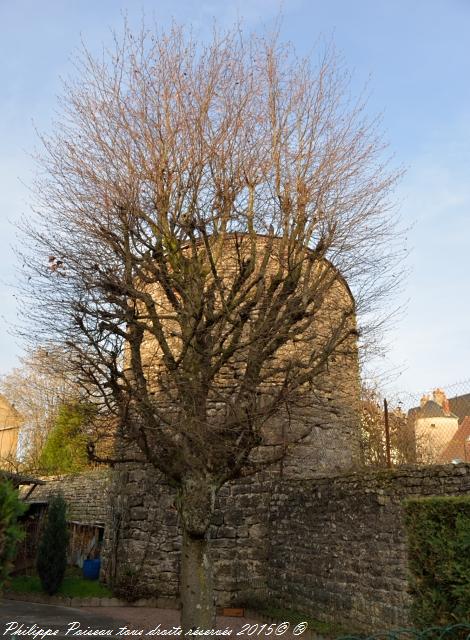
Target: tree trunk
(196,589)
(196,499)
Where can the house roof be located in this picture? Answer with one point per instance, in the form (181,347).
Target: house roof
(460,405)
(18,479)
(459,446)
(86,495)
(433,409)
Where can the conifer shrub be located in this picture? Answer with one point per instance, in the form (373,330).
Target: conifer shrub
(439,559)
(52,551)
(65,448)
(11,532)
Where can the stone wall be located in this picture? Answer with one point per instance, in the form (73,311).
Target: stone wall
(331,547)
(338,546)
(143,537)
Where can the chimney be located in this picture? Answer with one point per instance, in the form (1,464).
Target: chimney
(423,401)
(440,397)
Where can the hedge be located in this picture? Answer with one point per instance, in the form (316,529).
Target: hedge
(439,558)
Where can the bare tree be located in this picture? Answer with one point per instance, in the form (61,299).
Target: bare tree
(37,388)
(402,438)
(199,208)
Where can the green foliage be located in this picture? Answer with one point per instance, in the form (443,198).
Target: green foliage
(439,551)
(73,586)
(65,447)
(52,552)
(10,532)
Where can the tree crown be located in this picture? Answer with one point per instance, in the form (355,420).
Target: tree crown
(170,161)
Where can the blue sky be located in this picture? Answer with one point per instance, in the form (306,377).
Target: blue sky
(416,57)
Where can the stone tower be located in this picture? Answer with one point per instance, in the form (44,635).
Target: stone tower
(320,436)
(318,432)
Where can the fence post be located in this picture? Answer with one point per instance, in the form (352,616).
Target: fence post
(387,435)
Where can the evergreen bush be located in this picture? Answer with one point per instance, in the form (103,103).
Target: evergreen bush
(439,559)
(52,552)
(11,533)
(65,448)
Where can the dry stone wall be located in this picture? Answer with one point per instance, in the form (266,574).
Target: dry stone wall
(143,537)
(338,545)
(331,547)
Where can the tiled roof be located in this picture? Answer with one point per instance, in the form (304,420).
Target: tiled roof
(86,494)
(458,448)
(433,410)
(460,405)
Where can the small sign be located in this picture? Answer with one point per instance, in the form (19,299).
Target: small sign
(233,612)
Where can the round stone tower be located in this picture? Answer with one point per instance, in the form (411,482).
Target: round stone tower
(317,432)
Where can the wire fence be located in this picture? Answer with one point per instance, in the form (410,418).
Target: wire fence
(417,428)
(403,428)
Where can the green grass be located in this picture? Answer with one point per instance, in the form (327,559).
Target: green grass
(73,586)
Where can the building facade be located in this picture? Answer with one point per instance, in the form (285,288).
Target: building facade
(440,435)
(10,423)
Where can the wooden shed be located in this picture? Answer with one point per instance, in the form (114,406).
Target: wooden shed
(86,495)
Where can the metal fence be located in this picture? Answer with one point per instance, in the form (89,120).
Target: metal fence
(432,427)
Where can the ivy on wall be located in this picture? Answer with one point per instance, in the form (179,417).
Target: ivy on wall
(438,531)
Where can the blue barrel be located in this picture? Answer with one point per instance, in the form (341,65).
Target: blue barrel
(91,569)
